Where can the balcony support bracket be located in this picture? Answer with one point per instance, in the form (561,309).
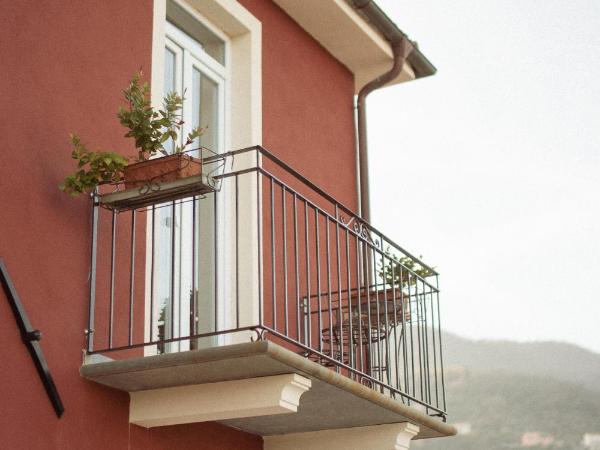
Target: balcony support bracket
(395,436)
(253,397)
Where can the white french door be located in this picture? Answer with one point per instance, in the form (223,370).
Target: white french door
(185,286)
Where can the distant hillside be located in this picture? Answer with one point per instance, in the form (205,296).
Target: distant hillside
(500,391)
(500,408)
(558,360)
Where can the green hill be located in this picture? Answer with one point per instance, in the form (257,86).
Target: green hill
(558,360)
(495,391)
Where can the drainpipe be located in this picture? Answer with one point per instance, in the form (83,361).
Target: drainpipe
(400,50)
(402,47)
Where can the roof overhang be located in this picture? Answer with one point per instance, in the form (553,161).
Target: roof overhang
(353,40)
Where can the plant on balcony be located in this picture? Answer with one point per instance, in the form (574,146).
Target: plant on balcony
(151,130)
(403,274)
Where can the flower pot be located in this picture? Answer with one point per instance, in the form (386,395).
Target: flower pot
(159,170)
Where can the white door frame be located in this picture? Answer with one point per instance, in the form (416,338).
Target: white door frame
(242,32)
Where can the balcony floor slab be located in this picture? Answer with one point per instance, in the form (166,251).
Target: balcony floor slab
(334,401)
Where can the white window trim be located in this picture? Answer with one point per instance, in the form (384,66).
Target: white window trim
(227,19)
(236,25)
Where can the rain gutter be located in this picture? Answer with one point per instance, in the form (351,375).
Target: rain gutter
(404,51)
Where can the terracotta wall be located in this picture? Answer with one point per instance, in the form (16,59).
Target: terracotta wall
(58,75)
(64,64)
(308,117)
(63,67)
(308,122)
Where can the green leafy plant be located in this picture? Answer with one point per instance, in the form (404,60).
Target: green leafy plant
(403,274)
(151,130)
(94,168)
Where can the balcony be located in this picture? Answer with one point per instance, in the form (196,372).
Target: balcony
(267,279)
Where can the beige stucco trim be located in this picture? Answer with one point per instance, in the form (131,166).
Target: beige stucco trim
(396,436)
(279,394)
(347,36)
(243,32)
(245,37)
(158,51)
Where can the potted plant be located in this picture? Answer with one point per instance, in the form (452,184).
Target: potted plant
(151,130)
(399,274)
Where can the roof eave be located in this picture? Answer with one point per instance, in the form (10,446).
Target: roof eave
(384,25)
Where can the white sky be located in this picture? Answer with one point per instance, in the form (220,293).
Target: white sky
(491,168)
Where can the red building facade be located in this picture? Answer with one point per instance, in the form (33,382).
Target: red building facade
(64,67)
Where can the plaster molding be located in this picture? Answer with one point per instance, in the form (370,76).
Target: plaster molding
(395,436)
(278,394)
(348,37)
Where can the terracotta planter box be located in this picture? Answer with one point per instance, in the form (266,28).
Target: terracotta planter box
(166,168)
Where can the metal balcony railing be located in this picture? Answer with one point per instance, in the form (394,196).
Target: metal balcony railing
(267,255)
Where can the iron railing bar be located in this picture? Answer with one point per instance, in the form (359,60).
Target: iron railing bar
(354,290)
(152,239)
(426,345)
(412,344)
(396,343)
(329,299)
(112,279)
(378,315)
(259,239)
(433,346)
(273,261)
(237,252)
(339,277)
(216,247)
(368,295)
(361,326)
(351,331)
(238,173)
(296,266)
(167,203)
(318,267)
(193,297)
(307,257)
(132,275)
(441,346)
(93,262)
(179,238)
(172,275)
(224,155)
(176,339)
(285,271)
(387,325)
(420,339)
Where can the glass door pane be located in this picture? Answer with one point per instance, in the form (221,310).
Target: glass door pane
(205,109)
(204,114)
(185,241)
(164,222)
